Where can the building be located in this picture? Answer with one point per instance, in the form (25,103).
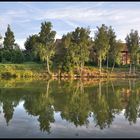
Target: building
(125,55)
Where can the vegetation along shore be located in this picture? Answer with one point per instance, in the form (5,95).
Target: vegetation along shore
(75,55)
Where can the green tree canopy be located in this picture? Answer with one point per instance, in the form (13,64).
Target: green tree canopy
(31,42)
(76,45)
(45,47)
(101,43)
(133,42)
(9,39)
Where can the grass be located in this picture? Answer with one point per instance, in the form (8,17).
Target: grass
(32,69)
(29,69)
(24,66)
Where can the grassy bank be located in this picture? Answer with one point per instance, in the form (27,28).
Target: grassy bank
(93,72)
(24,70)
(35,70)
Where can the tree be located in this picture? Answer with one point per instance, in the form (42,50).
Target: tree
(16,46)
(9,39)
(133,42)
(115,55)
(112,45)
(76,47)
(30,45)
(67,61)
(101,43)
(45,47)
(47,35)
(17,56)
(58,58)
(31,42)
(6,55)
(45,53)
(81,43)
(0,41)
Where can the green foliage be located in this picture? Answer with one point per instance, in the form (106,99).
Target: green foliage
(13,56)
(22,70)
(31,42)
(112,45)
(47,35)
(17,56)
(45,47)
(76,49)
(28,56)
(6,55)
(11,51)
(101,43)
(30,46)
(133,42)
(117,53)
(9,39)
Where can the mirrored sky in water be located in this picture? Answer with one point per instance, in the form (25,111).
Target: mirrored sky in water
(25,126)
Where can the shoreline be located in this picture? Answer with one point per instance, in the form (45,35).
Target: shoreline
(37,71)
(76,77)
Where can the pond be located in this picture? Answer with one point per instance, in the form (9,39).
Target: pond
(69,109)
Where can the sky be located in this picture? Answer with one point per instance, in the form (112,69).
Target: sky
(25,17)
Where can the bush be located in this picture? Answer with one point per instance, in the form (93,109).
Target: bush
(17,56)
(6,55)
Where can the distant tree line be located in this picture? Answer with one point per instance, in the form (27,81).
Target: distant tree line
(75,50)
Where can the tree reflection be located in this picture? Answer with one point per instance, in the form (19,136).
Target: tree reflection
(77,109)
(41,105)
(75,101)
(45,118)
(105,103)
(102,114)
(132,111)
(9,100)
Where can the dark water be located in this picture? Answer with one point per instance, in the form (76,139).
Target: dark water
(70,109)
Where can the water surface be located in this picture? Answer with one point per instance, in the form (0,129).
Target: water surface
(69,109)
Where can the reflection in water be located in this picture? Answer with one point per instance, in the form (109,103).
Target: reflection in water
(76,101)
(132,109)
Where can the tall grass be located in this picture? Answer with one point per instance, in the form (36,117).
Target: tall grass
(21,70)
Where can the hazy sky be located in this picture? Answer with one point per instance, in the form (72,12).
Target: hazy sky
(25,17)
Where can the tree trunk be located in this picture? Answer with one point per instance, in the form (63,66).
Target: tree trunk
(130,87)
(107,64)
(100,65)
(113,66)
(81,66)
(48,86)
(59,73)
(130,68)
(133,68)
(48,67)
